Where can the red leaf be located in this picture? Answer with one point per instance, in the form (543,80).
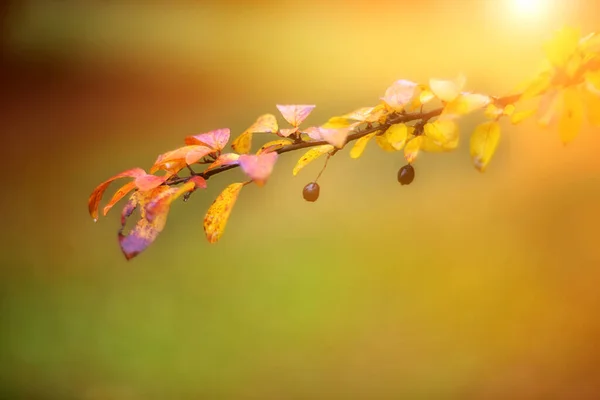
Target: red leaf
(258,167)
(96,196)
(216,140)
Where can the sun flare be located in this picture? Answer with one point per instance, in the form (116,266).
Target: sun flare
(528,7)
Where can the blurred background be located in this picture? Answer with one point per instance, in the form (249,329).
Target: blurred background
(460,286)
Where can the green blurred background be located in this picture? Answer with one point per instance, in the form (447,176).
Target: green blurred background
(460,286)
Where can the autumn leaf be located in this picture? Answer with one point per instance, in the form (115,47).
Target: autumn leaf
(484,142)
(286,132)
(218,214)
(447,90)
(274,145)
(592,102)
(367,114)
(216,139)
(521,116)
(396,135)
(466,103)
(562,46)
(399,94)
(258,167)
(411,149)
(310,156)
(537,86)
(119,194)
(224,159)
(443,132)
(154,208)
(96,196)
(340,122)
(548,107)
(295,114)
(148,182)
(188,154)
(360,145)
(383,142)
(266,123)
(243,143)
(571,119)
(592,82)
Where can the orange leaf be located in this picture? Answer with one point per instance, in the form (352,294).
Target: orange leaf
(148,182)
(258,167)
(216,140)
(295,114)
(224,159)
(186,154)
(218,214)
(119,194)
(96,196)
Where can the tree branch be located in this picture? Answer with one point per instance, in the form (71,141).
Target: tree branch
(395,119)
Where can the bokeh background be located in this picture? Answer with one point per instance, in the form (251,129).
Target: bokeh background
(460,286)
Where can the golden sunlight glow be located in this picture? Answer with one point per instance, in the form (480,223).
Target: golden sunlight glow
(528,7)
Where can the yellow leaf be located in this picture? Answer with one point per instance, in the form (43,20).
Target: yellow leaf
(310,156)
(492,111)
(548,106)
(430,146)
(592,103)
(396,135)
(266,123)
(411,149)
(592,82)
(426,96)
(521,116)
(571,119)
(484,142)
(360,145)
(219,212)
(339,122)
(382,142)
(243,143)
(537,86)
(562,45)
(466,103)
(509,109)
(273,145)
(447,90)
(590,43)
(443,132)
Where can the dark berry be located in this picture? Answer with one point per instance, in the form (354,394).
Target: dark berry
(406,174)
(311,191)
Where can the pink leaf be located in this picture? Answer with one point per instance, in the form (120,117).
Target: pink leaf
(216,140)
(224,159)
(258,167)
(295,114)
